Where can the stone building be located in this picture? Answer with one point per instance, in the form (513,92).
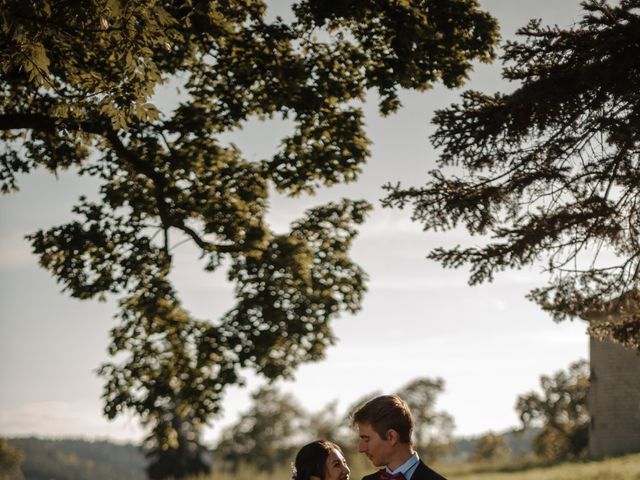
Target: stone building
(614,398)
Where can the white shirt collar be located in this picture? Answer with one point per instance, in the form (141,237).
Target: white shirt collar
(408,467)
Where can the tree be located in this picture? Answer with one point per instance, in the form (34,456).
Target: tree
(328,424)
(551,170)
(562,413)
(433,430)
(10,460)
(267,436)
(77,80)
(491,447)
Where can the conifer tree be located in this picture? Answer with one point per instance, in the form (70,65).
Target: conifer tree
(551,171)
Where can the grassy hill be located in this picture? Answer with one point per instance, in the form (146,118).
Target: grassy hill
(69,459)
(75,459)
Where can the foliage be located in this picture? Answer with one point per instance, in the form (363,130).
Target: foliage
(518,444)
(329,424)
(551,170)
(10,460)
(433,430)
(77,82)
(561,411)
(491,447)
(267,436)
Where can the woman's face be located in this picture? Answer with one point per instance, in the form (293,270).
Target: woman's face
(336,467)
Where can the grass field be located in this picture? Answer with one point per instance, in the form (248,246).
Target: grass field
(620,468)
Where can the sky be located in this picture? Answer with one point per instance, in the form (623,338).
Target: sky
(487,342)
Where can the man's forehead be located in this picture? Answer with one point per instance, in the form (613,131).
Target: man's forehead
(365,429)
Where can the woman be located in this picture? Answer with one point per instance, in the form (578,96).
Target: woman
(320,460)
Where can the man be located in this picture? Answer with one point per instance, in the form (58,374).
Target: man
(385,426)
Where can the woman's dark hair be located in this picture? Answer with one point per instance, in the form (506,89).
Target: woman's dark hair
(312,459)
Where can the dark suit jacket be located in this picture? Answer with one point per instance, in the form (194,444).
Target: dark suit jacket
(422,473)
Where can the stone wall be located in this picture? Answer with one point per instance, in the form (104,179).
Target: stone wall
(614,399)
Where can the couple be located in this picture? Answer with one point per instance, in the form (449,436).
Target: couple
(384,425)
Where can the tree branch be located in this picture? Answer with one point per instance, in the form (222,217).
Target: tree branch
(30,121)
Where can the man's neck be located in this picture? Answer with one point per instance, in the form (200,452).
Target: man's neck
(402,455)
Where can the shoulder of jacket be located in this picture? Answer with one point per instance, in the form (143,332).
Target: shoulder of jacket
(423,471)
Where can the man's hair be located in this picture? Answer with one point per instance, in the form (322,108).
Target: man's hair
(384,413)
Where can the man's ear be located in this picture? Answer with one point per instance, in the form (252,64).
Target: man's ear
(392,436)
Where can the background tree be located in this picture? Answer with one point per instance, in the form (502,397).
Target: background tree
(77,81)
(433,430)
(267,436)
(330,425)
(490,448)
(10,460)
(550,171)
(561,411)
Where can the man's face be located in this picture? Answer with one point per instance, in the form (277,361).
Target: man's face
(373,446)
